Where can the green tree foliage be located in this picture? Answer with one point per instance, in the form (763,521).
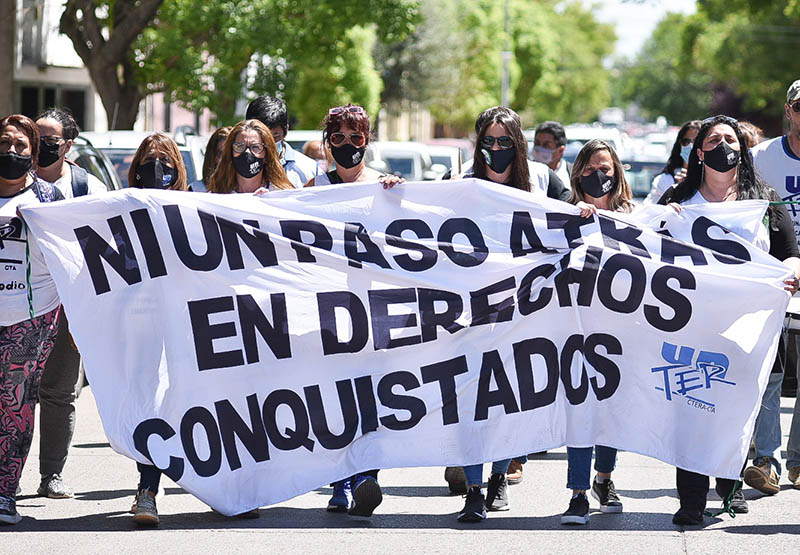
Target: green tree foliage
(453,62)
(661,80)
(314,53)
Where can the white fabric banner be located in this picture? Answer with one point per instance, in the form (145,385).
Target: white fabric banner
(232,340)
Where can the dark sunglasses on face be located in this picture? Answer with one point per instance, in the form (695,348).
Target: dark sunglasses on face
(255,148)
(356,139)
(52,140)
(503,142)
(795,107)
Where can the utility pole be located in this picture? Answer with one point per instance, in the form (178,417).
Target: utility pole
(505,57)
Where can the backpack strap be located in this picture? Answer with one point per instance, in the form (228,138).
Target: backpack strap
(80,181)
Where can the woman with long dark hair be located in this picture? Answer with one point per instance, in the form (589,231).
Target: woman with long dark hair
(213,154)
(721,170)
(675,170)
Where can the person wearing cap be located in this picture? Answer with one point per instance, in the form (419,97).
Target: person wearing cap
(778,163)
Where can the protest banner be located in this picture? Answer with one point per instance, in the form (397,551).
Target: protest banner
(256,348)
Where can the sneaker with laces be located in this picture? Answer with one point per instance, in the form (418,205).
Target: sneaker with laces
(738,502)
(578,511)
(340,500)
(606,494)
(8,510)
(456,479)
(53,486)
(762,477)
(497,493)
(366,495)
(474,507)
(514,473)
(145,512)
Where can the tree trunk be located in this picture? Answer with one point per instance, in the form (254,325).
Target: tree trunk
(108,60)
(8,13)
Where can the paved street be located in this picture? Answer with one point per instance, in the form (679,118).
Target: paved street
(417,515)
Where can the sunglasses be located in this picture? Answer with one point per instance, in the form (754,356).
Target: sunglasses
(52,140)
(795,107)
(356,139)
(503,142)
(255,148)
(346,109)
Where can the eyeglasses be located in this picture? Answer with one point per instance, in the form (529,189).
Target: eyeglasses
(255,148)
(350,109)
(356,139)
(795,107)
(686,142)
(503,142)
(53,140)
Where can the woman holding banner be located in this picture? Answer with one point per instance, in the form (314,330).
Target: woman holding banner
(157,164)
(29,306)
(721,169)
(598,182)
(249,162)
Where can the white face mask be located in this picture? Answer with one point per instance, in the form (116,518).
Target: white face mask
(542,154)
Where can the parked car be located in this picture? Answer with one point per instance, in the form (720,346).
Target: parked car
(120,146)
(580,134)
(95,162)
(447,156)
(640,171)
(407,159)
(297,138)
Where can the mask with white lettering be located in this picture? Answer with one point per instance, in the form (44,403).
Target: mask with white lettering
(247,165)
(597,184)
(155,175)
(348,156)
(722,157)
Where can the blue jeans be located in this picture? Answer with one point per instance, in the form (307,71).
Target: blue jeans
(793,445)
(767,434)
(579,464)
(474,472)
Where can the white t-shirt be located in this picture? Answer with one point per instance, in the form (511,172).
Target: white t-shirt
(14,263)
(661,183)
(64,184)
(780,168)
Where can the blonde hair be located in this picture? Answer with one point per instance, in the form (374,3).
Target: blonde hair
(619,199)
(223,180)
(160,143)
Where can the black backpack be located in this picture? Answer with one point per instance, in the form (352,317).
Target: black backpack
(80,180)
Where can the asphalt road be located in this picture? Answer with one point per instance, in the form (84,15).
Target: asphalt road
(417,515)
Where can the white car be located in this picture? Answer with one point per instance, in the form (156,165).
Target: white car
(407,159)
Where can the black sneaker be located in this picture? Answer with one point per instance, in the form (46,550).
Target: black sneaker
(606,494)
(8,510)
(366,495)
(687,517)
(474,508)
(738,502)
(578,511)
(497,493)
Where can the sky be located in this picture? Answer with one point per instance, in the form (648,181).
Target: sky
(635,21)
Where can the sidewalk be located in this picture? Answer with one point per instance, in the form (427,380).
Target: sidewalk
(417,515)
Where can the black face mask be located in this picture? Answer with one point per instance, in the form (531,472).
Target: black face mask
(248,165)
(348,156)
(722,157)
(155,175)
(48,154)
(499,160)
(13,166)
(597,184)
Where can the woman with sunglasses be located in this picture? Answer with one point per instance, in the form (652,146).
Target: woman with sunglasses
(721,170)
(598,182)
(346,135)
(29,305)
(675,170)
(249,162)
